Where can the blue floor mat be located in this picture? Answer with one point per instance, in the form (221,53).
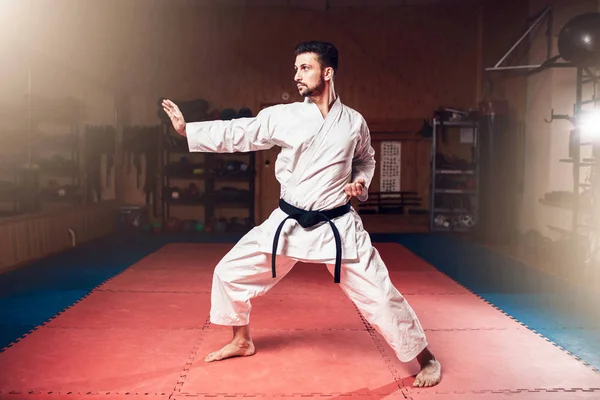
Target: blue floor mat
(33,294)
(561,311)
(83,267)
(34,308)
(479,268)
(543,310)
(583,343)
(10,333)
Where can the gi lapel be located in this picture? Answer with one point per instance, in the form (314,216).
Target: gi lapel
(308,155)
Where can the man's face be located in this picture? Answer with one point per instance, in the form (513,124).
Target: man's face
(310,78)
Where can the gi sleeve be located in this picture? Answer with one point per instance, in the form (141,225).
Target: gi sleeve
(237,135)
(363,164)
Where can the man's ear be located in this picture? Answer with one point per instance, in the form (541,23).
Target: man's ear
(329,73)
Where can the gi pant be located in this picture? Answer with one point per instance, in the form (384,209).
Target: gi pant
(245,273)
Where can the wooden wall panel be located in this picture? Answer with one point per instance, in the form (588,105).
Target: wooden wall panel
(395,62)
(30,237)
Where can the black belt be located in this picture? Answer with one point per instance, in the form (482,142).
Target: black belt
(306,219)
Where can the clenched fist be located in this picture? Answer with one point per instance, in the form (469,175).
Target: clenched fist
(176,116)
(355,188)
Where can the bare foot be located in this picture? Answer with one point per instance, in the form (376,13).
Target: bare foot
(237,348)
(430,375)
(431,370)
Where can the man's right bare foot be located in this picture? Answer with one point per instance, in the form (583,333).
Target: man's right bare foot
(237,348)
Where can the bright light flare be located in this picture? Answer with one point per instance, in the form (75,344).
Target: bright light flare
(589,124)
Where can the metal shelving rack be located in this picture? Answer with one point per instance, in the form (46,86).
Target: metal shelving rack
(209,197)
(585,76)
(581,234)
(584,217)
(449,218)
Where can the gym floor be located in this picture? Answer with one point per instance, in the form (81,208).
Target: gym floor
(125,317)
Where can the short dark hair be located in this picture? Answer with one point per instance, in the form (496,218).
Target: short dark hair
(326,53)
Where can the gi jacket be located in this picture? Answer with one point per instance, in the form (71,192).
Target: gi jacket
(318,157)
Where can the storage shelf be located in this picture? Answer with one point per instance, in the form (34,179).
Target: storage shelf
(465,124)
(565,205)
(451,210)
(455,206)
(584,162)
(451,229)
(575,202)
(213,176)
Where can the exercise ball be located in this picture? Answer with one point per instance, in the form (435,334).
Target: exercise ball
(579,40)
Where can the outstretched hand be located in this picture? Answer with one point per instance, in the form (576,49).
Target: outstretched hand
(176,116)
(355,188)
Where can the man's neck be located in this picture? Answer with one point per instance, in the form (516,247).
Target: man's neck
(325,100)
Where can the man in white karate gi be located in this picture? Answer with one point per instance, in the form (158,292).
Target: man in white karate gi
(326,158)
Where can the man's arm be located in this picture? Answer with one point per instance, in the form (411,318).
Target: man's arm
(237,135)
(363,163)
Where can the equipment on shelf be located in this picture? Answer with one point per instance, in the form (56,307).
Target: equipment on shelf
(209,183)
(138,142)
(99,141)
(454,178)
(389,203)
(579,48)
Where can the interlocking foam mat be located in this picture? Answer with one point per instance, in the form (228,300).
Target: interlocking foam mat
(144,332)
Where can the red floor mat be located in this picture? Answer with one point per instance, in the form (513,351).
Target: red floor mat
(308,361)
(35,395)
(457,311)
(305,278)
(399,258)
(97,360)
(516,395)
(167,280)
(136,310)
(430,283)
(274,311)
(499,360)
(144,334)
(187,256)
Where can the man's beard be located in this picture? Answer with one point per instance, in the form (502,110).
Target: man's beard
(313,91)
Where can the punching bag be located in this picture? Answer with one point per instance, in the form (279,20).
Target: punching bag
(496,217)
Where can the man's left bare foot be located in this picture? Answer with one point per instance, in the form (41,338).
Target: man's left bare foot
(431,370)
(430,375)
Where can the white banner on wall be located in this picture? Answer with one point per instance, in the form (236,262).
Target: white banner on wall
(391,156)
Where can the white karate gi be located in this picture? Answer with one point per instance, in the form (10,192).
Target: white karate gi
(342,154)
